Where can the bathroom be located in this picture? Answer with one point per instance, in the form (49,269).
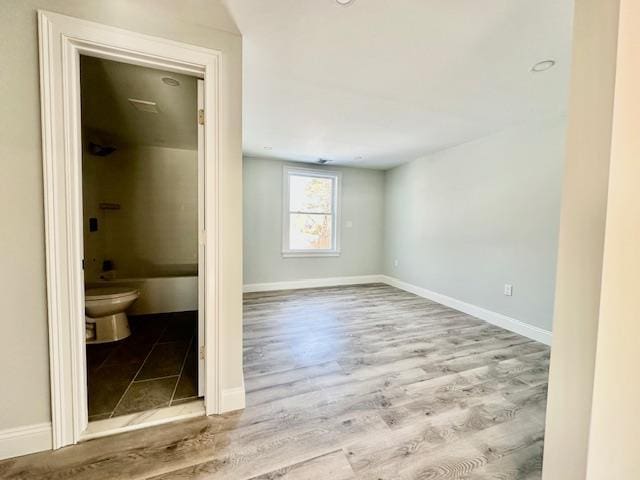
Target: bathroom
(141,213)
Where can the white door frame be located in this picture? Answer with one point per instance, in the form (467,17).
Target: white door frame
(62,40)
(201,239)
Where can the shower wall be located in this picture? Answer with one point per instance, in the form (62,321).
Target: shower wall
(155,228)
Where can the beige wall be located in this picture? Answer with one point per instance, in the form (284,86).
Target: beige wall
(24,353)
(362,204)
(156,227)
(580,252)
(615,422)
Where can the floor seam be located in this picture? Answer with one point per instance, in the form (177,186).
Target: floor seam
(184,362)
(137,373)
(155,378)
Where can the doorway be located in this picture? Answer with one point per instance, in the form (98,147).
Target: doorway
(143,206)
(64,41)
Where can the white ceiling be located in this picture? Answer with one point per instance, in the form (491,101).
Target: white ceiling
(390,81)
(109,118)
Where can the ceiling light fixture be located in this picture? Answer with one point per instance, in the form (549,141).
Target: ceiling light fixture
(344,3)
(144,105)
(268,148)
(543,66)
(172,82)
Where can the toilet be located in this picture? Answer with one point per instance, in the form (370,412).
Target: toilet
(106,320)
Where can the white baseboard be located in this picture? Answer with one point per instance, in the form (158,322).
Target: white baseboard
(498,319)
(312,283)
(508,323)
(24,440)
(233,399)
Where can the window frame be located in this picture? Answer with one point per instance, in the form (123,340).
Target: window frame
(336,178)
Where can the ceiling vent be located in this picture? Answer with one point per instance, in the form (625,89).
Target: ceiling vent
(144,105)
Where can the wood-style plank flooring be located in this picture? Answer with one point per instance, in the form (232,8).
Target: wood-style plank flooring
(358,382)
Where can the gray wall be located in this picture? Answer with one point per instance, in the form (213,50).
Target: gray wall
(361,245)
(24,353)
(465,221)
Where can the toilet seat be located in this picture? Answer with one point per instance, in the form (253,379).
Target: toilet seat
(109,293)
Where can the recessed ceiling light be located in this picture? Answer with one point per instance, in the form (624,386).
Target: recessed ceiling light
(268,148)
(344,3)
(543,66)
(172,82)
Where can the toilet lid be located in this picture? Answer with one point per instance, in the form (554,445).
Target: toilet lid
(104,293)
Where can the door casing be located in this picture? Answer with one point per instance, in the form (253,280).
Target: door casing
(62,40)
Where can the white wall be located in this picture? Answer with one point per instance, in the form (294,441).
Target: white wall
(467,220)
(362,204)
(615,422)
(24,355)
(157,224)
(581,240)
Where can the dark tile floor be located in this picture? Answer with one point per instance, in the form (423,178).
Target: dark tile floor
(156,366)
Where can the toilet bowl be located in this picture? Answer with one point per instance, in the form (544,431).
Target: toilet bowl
(105,313)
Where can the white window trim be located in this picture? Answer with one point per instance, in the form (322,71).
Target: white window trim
(336,177)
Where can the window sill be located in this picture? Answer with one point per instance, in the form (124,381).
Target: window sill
(309,254)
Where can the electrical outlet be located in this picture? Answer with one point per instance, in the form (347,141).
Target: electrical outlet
(508,290)
(395,262)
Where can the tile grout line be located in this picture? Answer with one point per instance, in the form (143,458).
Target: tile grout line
(184,362)
(106,357)
(145,380)
(104,362)
(138,372)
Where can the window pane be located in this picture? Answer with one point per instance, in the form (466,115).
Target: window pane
(310,194)
(309,232)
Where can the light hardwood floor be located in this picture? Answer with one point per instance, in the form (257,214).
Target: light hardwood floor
(358,382)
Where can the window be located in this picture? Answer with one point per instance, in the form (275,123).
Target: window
(310,223)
